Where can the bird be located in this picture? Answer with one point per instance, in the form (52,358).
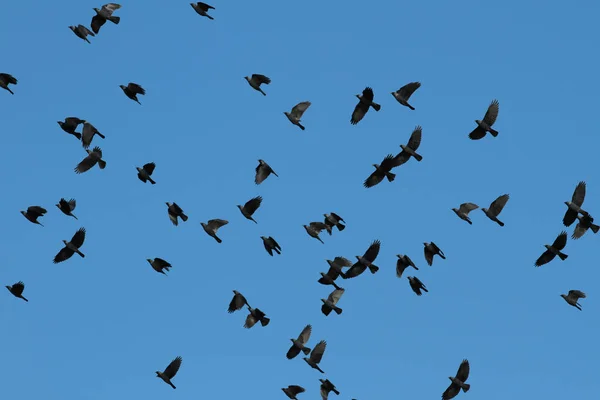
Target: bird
(403,262)
(403,94)
(256,80)
(170,372)
(17,290)
(159,265)
(71,247)
(416,285)
(585,223)
(430,250)
(496,208)
(87,134)
(365,101)
(314,228)
(145,172)
(410,150)
(331,302)
(263,170)
(485,126)
(103,14)
(175,211)
(270,245)
(70,124)
(237,302)
(458,382)
(326,387)
(463,211)
(365,261)
(332,220)
(7,79)
(82,32)
(299,344)
(33,213)
(337,265)
(297,112)
(554,250)
(202,9)
(250,207)
(132,90)
(316,355)
(574,206)
(329,277)
(94,157)
(255,316)
(212,226)
(67,207)
(382,170)
(572,298)
(292,391)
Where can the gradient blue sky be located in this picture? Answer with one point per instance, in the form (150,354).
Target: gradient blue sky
(98,328)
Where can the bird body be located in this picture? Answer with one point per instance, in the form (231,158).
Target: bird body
(132,90)
(263,170)
(270,245)
(33,213)
(496,208)
(174,212)
(17,290)
(170,372)
(464,210)
(82,32)
(403,262)
(484,126)
(403,94)
(430,250)
(71,247)
(296,114)
(202,9)
(67,207)
(573,297)
(145,172)
(256,80)
(212,226)
(250,208)
(7,79)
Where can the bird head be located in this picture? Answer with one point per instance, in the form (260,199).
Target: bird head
(60,123)
(451,378)
(261,162)
(96,9)
(157,374)
(57,205)
(399,255)
(455,210)
(562,295)
(238,206)
(122,87)
(547,246)
(263,238)
(376,166)
(477,121)
(65,242)
(305,359)
(149,260)
(246,78)
(292,340)
(358,96)
(72,28)
(168,204)
(567,203)
(322,274)
(324,301)
(425,244)
(321,380)
(203,224)
(286,113)
(24,213)
(10,287)
(403,147)
(485,210)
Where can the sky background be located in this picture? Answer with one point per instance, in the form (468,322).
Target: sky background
(97,328)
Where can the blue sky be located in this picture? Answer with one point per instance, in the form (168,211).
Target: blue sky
(99,327)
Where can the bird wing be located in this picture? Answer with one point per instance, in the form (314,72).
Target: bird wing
(498,204)
(253,204)
(342,262)
(324,392)
(299,109)
(372,251)
(78,238)
(579,194)
(86,164)
(161,263)
(477,133)
(250,321)
(63,203)
(579,231)
(135,88)
(451,392)
(149,168)
(172,368)
(374,179)
(415,138)
(262,172)
(73,121)
(355,270)
(335,296)
(337,217)
(261,79)
(466,208)
(359,112)
(98,151)
(305,334)
(561,241)
(400,267)
(317,352)
(463,371)
(545,258)
(318,226)
(111,7)
(407,90)
(85,30)
(295,389)
(236,303)
(17,288)
(87,134)
(8,78)
(491,113)
(36,210)
(64,254)
(368,95)
(72,204)
(388,163)
(97,22)
(216,223)
(275,244)
(576,294)
(428,256)
(176,208)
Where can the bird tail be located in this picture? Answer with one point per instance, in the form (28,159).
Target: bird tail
(466,387)
(326,310)
(562,256)
(417,157)
(173,386)
(441,255)
(11,92)
(102,164)
(260,90)
(24,299)
(594,228)
(277,251)
(114,19)
(87,40)
(425,289)
(409,106)
(101,135)
(375,106)
(252,219)
(301,126)
(390,176)
(337,310)
(319,239)
(151,181)
(72,215)
(500,222)
(265,321)
(184,217)
(77,135)
(209,17)
(336,286)
(329,230)
(218,239)
(335,391)
(341,227)
(306,350)
(80,254)
(469,221)
(319,369)
(39,223)
(373,268)
(493,132)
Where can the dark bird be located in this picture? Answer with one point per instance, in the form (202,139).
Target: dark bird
(485,126)
(382,170)
(33,213)
(316,355)
(202,9)
(103,14)
(297,112)
(365,101)
(572,298)
(145,172)
(17,290)
(555,250)
(403,262)
(404,93)
(365,261)
(431,250)
(71,247)
(300,343)
(416,285)
(170,372)
(464,210)
(458,382)
(7,79)
(326,387)
(94,157)
(67,207)
(256,80)
(82,32)
(263,170)
(332,220)
(237,302)
(496,208)
(330,277)
(175,211)
(70,124)
(132,90)
(87,134)
(585,223)
(159,265)
(332,300)
(292,391)
(314,228)
(255,316)
(337,265)
(270,245)
(250,207)
(575,205)
(212,226)
(410,150)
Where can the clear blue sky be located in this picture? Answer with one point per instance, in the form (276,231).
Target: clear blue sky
(97,328)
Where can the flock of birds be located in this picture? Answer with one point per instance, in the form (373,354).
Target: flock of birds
(331,221)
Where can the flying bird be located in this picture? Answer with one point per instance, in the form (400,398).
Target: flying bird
(485,126)
(87,134)
(330,277)
(255,316)
(145,172)
(331,301)
(574,206)
(403,94)
(314,229)
(94,157)
(572,298)
(270,245)
(71,247)
(202,9)
(33,213)
(263,170)
(70,124)
(175,211)
(250,207)
(212,226)
(365,101)
(297,112)
(458,382)
(382,170)
(464,210)
(17,290)
(299,344)
(292,391)
(7,79)
(366,261)
(316,355)
(336,267)
(159,265)
(82,32)
(416,285)
(132,90)
(403,262)
(410,150)
(430,250)
(326,387)
(256,80)
(103,14)
(554,250)
(170,372)
(237,302)
(67,207)
(332,220)
(496,208)
(585,223)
